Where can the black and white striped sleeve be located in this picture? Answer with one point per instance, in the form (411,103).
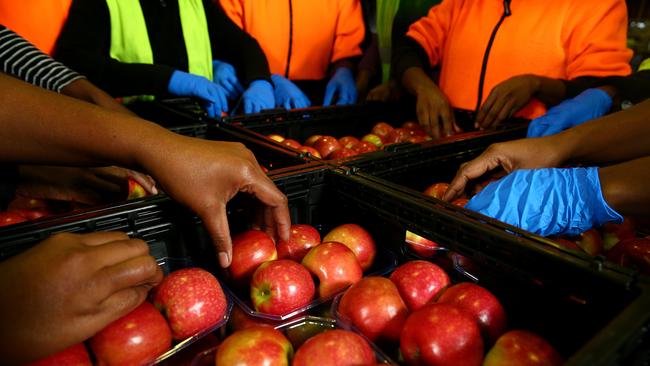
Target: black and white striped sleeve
(23,60)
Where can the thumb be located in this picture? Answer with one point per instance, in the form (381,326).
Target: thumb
(216,222)
(329,94)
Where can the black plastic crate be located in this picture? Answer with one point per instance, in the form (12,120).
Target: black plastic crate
(357,120)
(183,116)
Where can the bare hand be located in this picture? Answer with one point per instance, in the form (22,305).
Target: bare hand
(512,155)
(435,113)
(205,175)
(506,99)
(386,92)
(83,185)
(69,287)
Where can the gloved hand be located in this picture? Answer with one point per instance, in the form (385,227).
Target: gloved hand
(287,94)
(225,75)
(547,201)
(343,85)
(590,104)
(188,85)
(258,96)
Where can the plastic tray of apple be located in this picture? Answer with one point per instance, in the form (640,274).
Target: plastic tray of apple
(396,312)
(297,332)
(253,275)
(150,335)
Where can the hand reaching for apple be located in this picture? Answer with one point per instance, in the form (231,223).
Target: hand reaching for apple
(547,152)
(71,286)
(205,175)
(84,185)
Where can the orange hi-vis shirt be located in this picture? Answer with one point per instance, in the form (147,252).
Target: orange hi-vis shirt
(318,32)
(38,21)
(560,39)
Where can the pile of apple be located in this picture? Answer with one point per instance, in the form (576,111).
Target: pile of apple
(437,323)
(187,302)
(267,346)
(281,277)
(382,134)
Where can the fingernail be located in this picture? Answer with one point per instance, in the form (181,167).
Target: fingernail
(154,190)
(224,260)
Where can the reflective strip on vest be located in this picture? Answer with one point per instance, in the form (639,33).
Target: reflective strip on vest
(130,39)
(645,65)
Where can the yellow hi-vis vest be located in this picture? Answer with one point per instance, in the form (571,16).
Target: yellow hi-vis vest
(130,39)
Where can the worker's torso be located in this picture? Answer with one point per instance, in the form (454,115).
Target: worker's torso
(314,24)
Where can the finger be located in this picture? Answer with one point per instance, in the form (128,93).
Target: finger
(223,103)
(423,118)
(485,108)
(114,252)
(343,99)
(287,104)
(216,222)
(269,223)
(248,106)
(329,94)
(134,272)
(447,122)
(257,108)
(102,237)
(505,113)
(492,114)
(265,191)
(212,110)
(467,172)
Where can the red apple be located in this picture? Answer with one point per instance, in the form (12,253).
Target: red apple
(335,265)
(327,145)
(249,250)
(32,214)
(441,335)
(613,233)
(373,139)
(522,348)
(461,202)
(348,141)
(29,203)
(276,137)
(302,237)
(632,252)
(421,246)
(291,143)
(136,338)
(381,129)
(412,125)
(136,190)
(258,346)
(375,307)
(356,238)
(568,244)
(481,305)
(437,190)
(192,300)
(335,348)
(418,282)
(591,242)
(397,135)
(281,286)
(416,139)
(76,355)
(311,150)
(343,153)
(365,147)
(239,320)
(10,218)
(312,139)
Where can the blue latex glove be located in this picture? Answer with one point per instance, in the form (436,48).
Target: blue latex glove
(188,85)
(258,96)
(225,75)
(590,104)
(287,94)
(343,85)
(547,201)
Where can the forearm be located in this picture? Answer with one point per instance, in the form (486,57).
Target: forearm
(625,186)
(414,80)
(41,127)
(616,137)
